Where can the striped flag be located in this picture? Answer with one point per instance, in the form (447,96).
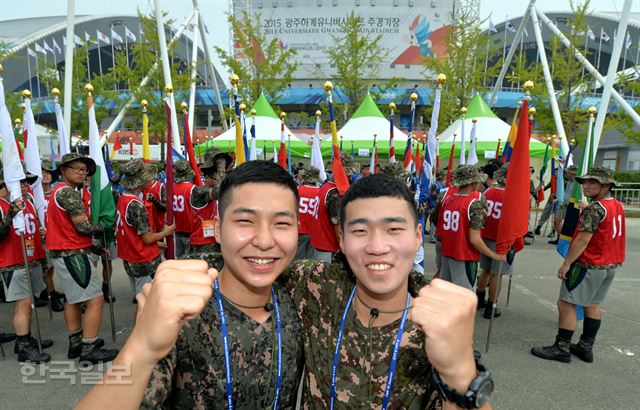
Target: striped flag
(240,153)
(253,154)
(191,156)
(145,136)
(339,175)
(472,159)
(463,140)
(408,153)
(316,152)
(103,208)
(392,148)
(169,252)
(282,152)
(12,169)
(63,138)
(432,142)
(374,158)
(511,139)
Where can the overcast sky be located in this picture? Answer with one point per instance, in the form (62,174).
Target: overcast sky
(214,10)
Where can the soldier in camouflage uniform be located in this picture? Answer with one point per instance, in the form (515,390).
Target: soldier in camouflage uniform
(180,363)
(137,242)
(596,251)
(464,215)
(214,169)
(379,240)
(68,237)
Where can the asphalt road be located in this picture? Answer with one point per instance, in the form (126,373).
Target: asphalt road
(522,380)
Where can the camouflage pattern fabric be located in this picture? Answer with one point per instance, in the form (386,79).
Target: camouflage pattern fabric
(194,250)
(135,174)
(478,213)
(71,201)
(589,220)
(182,171)
(320,290)
(202,195)
(137,217)
(468,174)
(311,175)
(333,206)
(600,174)
(192,375)
(138,270)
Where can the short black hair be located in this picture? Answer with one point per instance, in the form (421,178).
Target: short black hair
(376,186)
(260,172)
(490,168)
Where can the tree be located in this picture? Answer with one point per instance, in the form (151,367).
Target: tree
(264,66)
(467,65)
(357,56)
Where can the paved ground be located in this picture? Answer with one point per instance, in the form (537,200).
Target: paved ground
(522,381)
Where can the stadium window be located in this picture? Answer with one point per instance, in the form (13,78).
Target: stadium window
(633,161)
(393,66)
(395,3)
(275,3)
(357,2)
(410,3)
(407,66)
(610,159)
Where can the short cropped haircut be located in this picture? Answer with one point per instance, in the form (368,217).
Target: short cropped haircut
(259,172)
(490,168)
(378,186)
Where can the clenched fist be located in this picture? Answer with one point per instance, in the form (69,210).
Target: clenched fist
(445,312)
(179,292)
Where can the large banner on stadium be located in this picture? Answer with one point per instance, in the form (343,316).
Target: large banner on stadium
(409,33)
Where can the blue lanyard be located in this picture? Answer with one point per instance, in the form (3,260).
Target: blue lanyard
(394,358)
(227,356)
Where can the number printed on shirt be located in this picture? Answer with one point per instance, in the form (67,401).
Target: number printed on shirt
(178,203)
(30,224)
(451,221)
(119,224)
(495,209)
(617,226)
(308,206)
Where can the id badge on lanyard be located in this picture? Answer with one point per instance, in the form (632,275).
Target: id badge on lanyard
(30,246)
(208,230)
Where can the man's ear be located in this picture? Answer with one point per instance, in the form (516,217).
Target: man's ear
(216,228)
(341,238)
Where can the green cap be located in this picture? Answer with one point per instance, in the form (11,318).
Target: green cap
(182,171)
(310,175)
(67,159)
(467,174)
(211,157)
(134,173)
(395,170)
(600,174)
(46,165)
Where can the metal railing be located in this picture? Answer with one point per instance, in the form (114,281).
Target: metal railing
(628,194)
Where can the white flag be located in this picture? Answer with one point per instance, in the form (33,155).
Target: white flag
(591,34)
(129,34)
(32,159)
(56,46)
(12,169)
(102,37)
(316,153)
(39,49)
(116,37)
(509,26)
(87,37)
(492,28)
(31,52)
(472,159)
(463,147)
(603,35)
(47,47)
(253,152)
(78,40)
(526,33)
(63,139)
(628,42)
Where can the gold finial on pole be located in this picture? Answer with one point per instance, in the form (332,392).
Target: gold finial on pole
(474,120)
(328,86)
(392,106)
(168,88)
(528,86)
(463,111)
(26,94)
(318,113)
(88,88)
(144,104)
(413,97)
(1,68)
(243,107)
(592,111)
(184,106)
(17,122)
(55,92)
(283,115)
(253,112)
(234,79)
(532,111)
(441,80)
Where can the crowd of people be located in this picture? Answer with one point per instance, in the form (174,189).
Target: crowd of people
(279,279)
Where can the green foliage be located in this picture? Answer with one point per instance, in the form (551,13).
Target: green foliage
(628,177)
(357,56)
(468,50)
(263,66)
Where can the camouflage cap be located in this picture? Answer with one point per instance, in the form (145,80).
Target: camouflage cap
(600,174)
(350,166)
(501,174)
(310,175)
(467,174)
(441,174)
(134,174)
(572,168)
(182,171)
(46,165)
(211,157)
(75,157)
(151,169)
(394,169)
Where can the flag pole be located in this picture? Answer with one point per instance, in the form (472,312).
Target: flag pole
(110,301)
(33,304)
(463,148)
(68,65)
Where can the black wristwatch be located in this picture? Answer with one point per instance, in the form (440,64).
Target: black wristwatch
(477,394)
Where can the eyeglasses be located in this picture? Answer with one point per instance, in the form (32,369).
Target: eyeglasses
(79,170)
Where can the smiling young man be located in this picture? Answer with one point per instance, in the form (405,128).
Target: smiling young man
(365,343)
(225,342)
(596,251)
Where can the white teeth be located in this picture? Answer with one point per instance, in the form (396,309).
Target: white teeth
(379,266)
(260,261)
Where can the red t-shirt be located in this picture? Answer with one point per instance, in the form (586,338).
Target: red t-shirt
(131,247)
(202,224)
(181,201)
(61,231)
(307,207)
(495,198)
(11,246)
(608,243)
(456,241)
(323,236)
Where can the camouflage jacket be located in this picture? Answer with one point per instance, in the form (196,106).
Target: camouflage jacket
(320,290)
(333,206)
(138,218)
(590,218)
(192,375)
(70,200)
(478,213)
(201,196)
